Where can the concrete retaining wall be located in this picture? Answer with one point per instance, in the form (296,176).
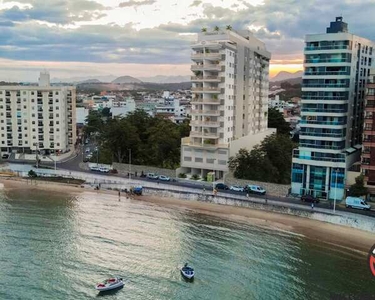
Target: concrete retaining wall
(345,219)
(124,169)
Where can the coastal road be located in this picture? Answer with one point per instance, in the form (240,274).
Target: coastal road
(73,165)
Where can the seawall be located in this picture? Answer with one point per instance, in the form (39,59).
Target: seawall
(342,218)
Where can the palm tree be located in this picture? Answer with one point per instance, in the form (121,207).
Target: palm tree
(216,28)
(229,27)
(204,29)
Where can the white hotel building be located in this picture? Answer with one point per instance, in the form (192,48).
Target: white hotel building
(37,118)
(229,103)
(337,67)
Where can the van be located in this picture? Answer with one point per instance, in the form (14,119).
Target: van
(103,169)
(255,189)
(355,202)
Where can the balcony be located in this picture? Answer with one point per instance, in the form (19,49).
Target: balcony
(327,60)
(323,98)
(206,112)
(215,90)
(327,147)
(321,134)
(299,156)
(322,110)
(332,47)
(205,123)
(370,107)
(211,135)
(206,45)
(328,73)
(208,67)
(198,101)
(367,167)
(322,122)
(205,78)
(201,56)
(325,86)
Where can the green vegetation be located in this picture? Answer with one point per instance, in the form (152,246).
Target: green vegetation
(195,177)
(358,189)
(153,141)
(182,175)
(276,120)
(268,162)
(291,90)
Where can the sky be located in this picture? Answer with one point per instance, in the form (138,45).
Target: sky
(141,38)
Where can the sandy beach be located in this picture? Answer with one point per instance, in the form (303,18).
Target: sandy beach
(333,235)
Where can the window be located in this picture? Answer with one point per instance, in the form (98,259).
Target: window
(187,158)
(198,159)
(371,92)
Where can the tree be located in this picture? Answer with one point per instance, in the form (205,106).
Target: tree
(204,29)
(229,27)
(270,161)
(276,120)
(216,28)
(32,174)
(184,128)
(94,122)
(358,189)
(106,112)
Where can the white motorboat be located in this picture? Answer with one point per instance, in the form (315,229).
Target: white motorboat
(110,284)
(187,272)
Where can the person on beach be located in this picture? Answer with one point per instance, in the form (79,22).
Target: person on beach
(312,205)
(119,195)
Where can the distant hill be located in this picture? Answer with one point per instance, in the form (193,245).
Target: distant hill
(283,75)
(107,78)
(90,81)
(126,79)
(166,79)
(292,81)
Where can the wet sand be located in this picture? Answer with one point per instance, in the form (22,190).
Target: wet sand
(336,236)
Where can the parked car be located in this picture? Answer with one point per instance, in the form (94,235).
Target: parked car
(221,186)
(309,198)
(89,156)
(87,150)
(355,202)
(255,189)
(5,156)
(103,169)
(95,169)
(164,178)
(152,176)
(237,188)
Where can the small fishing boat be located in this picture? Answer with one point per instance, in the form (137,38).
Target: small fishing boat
(187,272)
(110,284)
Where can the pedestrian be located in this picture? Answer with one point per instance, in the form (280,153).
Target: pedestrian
(312,205)
(119,195)
(135,174)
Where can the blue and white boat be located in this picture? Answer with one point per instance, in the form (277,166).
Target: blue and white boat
(187,272)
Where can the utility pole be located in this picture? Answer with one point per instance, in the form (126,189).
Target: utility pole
(36,154)
(130,163)
(334,200)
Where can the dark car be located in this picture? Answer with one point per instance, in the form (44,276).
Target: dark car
(221,186)
(309,198)
(5,156)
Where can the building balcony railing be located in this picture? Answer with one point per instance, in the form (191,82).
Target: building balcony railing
(333,47)
(214,56)
(205,78)
(206,89)
(328,73)
(322,98)
(317,134)
(204,134)
(199,100)
(327,147)
(299,156)
(205,123)
(322,122)
(213,67)
(367,167)
(329,60)
(322,110)
(325,86)
(206,112)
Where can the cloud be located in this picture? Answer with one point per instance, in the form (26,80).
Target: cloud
(134,3)
(196,3)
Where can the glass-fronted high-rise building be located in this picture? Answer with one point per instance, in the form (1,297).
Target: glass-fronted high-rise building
(337,65)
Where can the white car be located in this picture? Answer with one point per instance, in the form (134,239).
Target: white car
(104,170)
(255,189)
(236,188)
(164,178)
(355,202)
(152,176)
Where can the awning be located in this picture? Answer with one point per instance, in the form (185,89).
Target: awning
(350,150)
(358,146)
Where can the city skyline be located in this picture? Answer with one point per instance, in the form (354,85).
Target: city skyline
(152,37)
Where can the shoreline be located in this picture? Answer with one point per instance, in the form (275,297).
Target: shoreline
(337,236)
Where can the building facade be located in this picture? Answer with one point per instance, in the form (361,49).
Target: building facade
(39,118)
(337,65)
(229,100)
(368,151)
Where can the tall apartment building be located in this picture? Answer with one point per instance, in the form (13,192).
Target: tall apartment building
(337,66)
(229,103)
(368,151)
(37,118)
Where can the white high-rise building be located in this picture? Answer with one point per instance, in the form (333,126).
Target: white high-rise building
(37,118)
(230,100)
(337,67)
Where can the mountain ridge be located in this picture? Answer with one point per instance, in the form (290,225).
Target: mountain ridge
(284,75)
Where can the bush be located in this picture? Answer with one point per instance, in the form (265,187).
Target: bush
(32,174)
(195,177)
(182,175)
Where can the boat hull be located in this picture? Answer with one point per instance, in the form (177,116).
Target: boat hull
(114,286)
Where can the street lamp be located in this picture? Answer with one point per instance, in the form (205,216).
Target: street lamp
(130,163)
(214,176)
(36,154)
(334,199)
